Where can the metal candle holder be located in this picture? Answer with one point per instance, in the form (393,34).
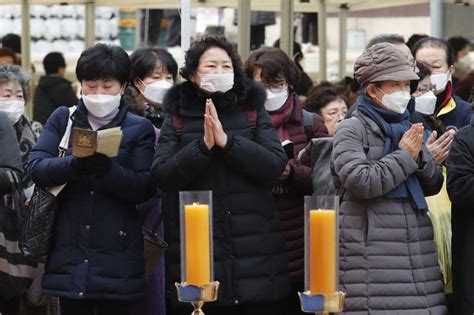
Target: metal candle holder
(320,303)
(197,269)
(321,294)
(197,295)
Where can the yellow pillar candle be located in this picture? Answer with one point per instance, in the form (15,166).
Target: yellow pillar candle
(322,251)
(198,268)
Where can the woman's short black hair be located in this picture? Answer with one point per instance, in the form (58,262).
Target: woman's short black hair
(197,49)
(435,43)
(102,62)
(143,62)
(275,65)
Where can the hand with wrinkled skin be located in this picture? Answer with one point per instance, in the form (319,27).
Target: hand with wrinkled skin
(412,140)
(220,137)
(440,147)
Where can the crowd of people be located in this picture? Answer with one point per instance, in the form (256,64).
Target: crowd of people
(397,128)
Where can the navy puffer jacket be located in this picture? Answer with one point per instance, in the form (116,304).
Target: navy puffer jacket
(98,246)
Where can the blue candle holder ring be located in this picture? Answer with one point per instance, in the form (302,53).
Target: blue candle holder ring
(197,295)
(321,303)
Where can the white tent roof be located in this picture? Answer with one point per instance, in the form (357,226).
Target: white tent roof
(264,5)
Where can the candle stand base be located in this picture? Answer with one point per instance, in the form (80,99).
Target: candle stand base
(197,308)
(321,303)
(197,295)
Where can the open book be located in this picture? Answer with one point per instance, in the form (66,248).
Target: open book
(87,142)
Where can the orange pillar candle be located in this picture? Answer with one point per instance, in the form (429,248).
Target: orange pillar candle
(322,268)
(198,268)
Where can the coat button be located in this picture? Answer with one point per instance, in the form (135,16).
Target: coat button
(92,193)
(88,227)
(228,212)
(236,302)
(86,261)
(81,294)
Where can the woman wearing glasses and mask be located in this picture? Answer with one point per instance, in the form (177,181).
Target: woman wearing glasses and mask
(96,264)
(279,74)
(224,142)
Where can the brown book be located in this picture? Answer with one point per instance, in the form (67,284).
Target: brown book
(86,142)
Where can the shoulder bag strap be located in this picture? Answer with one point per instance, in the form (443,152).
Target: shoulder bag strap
(63,145)
(62,149)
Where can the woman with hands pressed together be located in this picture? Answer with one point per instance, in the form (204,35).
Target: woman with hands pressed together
(388,262)
(218,136)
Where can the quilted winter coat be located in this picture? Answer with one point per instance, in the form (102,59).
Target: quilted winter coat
(97,250)
(388,263)
(250,259)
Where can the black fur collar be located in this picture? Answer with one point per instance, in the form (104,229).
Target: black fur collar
(186,99)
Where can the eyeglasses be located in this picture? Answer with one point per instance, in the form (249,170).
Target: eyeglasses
(275,87)
(336,114)
(425,88)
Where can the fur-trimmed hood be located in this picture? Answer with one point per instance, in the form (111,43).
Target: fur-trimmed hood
(186,99)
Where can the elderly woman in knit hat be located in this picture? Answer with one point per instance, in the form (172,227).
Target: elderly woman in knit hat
(388,262)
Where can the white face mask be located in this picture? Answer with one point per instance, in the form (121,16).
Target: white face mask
(13,108)
(217,82)
(276,100)
(100,105)
(426,103)
(397,101)
(439,81)
(464,63)
(155,91)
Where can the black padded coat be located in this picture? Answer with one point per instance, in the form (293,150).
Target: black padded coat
(250,258)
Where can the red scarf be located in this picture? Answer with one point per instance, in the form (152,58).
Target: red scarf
(449,94)
(289,112)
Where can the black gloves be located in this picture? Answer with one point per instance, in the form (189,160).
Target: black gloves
(97,164)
